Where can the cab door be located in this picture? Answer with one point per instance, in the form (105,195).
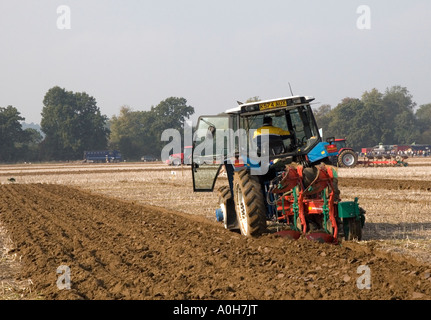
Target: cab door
(211,144)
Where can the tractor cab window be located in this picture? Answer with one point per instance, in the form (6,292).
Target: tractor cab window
(211,145)
(252,124)
(304,128)
(340,144)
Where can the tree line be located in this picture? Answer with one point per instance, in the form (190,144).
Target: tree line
(72,123)
(390,118)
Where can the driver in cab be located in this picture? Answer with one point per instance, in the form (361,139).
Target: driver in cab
(268,128)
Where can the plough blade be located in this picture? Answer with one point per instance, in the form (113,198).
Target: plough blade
(289,234)
(321,237)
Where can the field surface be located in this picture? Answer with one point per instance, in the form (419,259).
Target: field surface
(137,231)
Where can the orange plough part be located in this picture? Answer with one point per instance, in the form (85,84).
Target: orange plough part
(300,201)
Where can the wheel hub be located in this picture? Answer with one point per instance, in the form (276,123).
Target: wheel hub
(348,160)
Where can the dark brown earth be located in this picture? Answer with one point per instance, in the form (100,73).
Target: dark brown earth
(121,250)
(386,184)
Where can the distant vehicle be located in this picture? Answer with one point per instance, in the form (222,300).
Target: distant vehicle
(346,157)
(103,156)
(149,159)
(177,159)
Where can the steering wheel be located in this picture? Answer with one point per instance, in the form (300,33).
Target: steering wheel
(301,142)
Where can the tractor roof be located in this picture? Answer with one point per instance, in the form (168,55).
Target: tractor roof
(269,105)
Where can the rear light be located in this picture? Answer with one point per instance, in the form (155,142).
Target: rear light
(332,148)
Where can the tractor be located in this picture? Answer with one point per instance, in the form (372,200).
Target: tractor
(346,157)
(285,184)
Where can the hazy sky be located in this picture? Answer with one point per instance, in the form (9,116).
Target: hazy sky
(213,53)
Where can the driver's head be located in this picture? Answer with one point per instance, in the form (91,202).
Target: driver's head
(267,121)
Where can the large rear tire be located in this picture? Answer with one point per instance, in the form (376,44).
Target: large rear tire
(347,159)
(249,204)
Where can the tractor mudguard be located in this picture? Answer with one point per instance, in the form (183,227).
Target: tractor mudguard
(320,152)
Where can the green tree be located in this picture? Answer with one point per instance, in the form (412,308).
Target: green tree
(138,133)
(399,116)
(170,113)
(423,116)
(72,123)
(323,118)
(375,118)
(345,122)
(28,149)
(131,133)
(11,133)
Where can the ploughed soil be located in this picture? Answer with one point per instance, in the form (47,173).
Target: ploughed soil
(386,184)
(118,249)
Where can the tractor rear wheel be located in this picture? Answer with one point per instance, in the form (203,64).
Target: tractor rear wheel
(227,206)
(347,159)
(249,204)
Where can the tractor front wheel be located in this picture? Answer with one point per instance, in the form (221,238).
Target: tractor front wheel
(249,203)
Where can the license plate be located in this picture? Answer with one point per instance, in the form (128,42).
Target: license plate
(273,105)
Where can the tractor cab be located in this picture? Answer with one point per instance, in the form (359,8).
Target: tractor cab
(340,143)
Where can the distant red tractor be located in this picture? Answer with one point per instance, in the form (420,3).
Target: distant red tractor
(178,159)
(347,157)
(175,159)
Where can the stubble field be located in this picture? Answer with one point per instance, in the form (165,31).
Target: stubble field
(137,231)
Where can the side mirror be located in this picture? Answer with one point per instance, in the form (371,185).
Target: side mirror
(330,140)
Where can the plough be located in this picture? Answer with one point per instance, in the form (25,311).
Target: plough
(383,161)
(308,201)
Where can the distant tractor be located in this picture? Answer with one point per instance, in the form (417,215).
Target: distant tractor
(175,159)
(346,157)
(378,156)
(178,159)
(284,180)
